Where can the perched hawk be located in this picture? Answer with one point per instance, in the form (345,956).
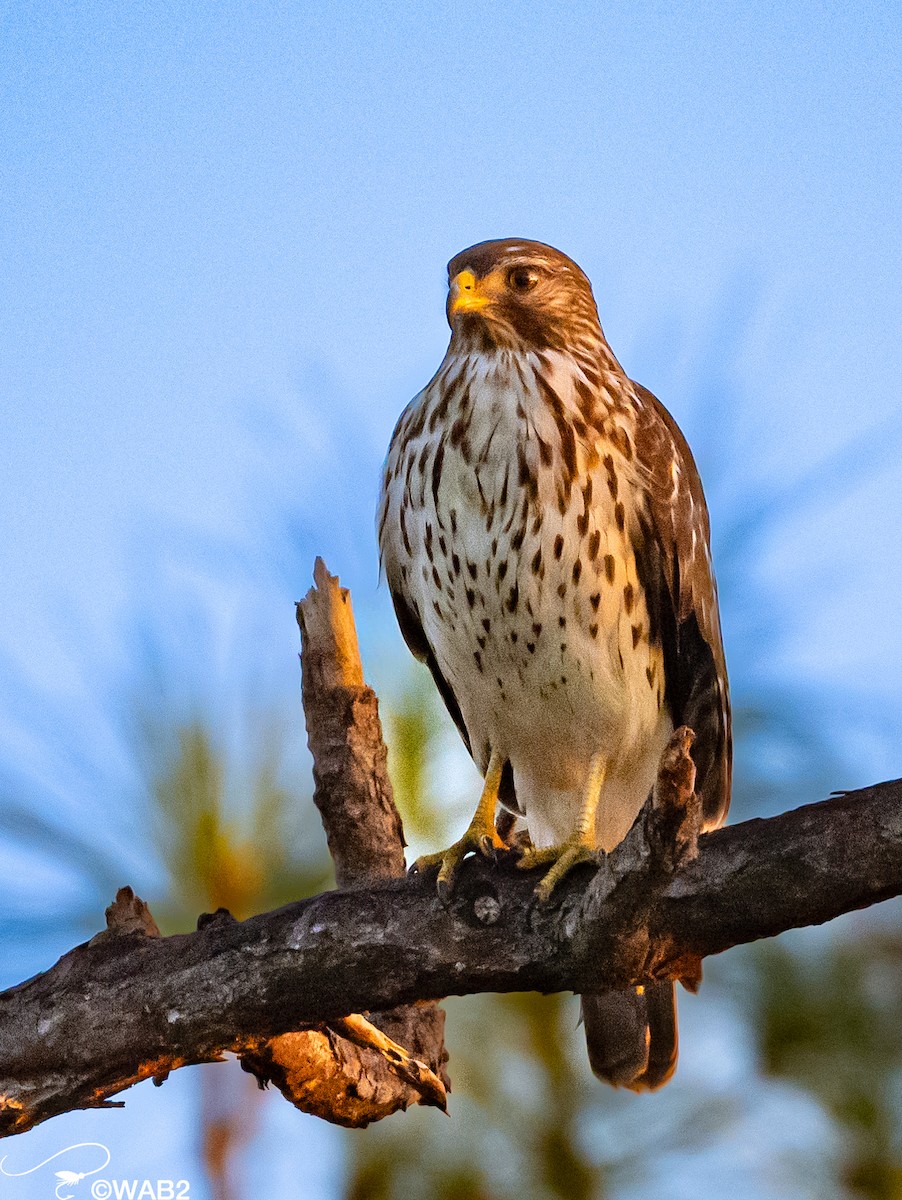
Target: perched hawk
(545,538)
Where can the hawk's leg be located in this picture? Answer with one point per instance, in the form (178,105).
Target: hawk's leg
(580,847)
(481,835)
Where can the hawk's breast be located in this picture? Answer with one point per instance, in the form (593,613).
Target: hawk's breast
(505,526)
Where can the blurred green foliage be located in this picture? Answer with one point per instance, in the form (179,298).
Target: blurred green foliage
(413,730)
(249,856)
(828,1017)
(229,834)
(519,1096)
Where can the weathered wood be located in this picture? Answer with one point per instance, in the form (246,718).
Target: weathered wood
(353,790)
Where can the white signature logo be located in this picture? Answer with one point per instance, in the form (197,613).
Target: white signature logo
(105,1189)
(66,1179)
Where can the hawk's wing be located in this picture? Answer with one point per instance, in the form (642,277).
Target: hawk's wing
(672,544)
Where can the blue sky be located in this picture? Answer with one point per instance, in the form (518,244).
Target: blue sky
(222,248)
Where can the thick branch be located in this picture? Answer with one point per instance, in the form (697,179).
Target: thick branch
(114,1008)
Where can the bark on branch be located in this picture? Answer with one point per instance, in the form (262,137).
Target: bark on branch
(130,1004)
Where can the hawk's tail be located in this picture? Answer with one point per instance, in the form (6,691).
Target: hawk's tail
(632,1035)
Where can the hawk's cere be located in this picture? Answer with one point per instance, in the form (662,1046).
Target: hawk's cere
(545,538)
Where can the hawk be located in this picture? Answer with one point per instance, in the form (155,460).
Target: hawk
(545,539)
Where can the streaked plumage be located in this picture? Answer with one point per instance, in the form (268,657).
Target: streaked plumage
(545,538)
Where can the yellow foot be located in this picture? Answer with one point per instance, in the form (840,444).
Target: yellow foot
(564,858)
(478,839)
(481,837)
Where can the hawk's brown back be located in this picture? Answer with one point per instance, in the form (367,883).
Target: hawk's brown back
(673,556)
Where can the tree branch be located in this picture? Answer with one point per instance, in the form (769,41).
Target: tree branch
(111,1011)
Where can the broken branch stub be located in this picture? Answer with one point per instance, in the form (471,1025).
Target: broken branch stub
(356,1070)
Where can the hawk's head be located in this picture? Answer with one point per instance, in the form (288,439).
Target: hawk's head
(520,295)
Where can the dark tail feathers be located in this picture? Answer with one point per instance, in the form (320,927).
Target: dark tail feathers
(632,1036)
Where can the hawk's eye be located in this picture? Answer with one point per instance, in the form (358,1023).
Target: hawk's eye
(522,279)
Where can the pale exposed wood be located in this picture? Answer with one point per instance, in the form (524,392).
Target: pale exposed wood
(331,649)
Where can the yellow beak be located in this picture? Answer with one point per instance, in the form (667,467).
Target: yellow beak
(465,295)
